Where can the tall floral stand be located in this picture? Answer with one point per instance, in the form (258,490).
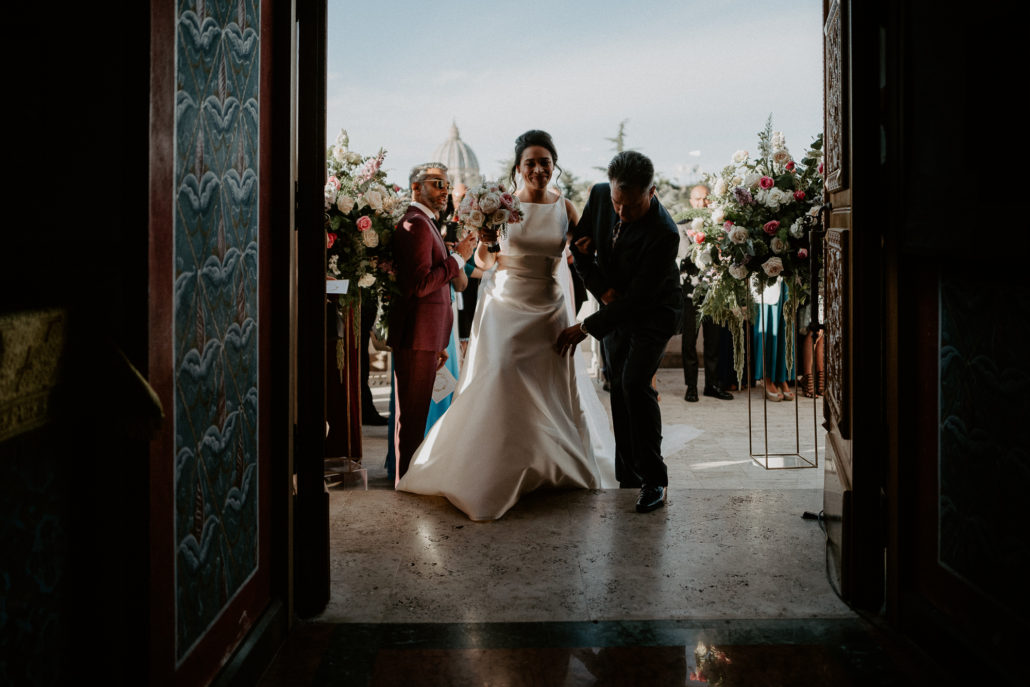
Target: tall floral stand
(343,396)
(763,456)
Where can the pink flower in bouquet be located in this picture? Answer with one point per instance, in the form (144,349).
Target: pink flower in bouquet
(334,182)
(766,182)
(802,253)
(508,200)
(799,195)
(699,237)
(791,166)
(820,168)
(727,225)
(771,226)
(330,239)
(364,223)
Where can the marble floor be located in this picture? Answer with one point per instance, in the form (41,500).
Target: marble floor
(576,588)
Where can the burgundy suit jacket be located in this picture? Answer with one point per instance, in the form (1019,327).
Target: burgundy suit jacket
(421,316)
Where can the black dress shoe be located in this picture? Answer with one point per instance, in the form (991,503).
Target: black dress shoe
(650,498)
(691,394)
(718,393)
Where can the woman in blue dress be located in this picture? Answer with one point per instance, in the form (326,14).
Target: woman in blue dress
(770,343)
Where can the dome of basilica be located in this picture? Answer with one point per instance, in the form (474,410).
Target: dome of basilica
(462,165)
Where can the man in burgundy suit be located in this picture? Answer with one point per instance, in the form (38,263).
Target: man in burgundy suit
(421,316)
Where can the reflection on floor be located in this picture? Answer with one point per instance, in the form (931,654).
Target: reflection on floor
(726,585)
(810,653)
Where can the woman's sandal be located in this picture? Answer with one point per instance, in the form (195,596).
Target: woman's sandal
(820,381)
(809,385)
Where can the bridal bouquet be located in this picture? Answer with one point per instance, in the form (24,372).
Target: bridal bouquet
(489,206)
(361,211)
(762,209)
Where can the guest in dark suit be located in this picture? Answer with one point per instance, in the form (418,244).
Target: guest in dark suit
(626,254)
(421,316)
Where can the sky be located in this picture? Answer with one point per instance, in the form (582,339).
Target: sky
(694,81)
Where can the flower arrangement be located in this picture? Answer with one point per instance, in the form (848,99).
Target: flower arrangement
(487,206)
(361,211)
(762,209)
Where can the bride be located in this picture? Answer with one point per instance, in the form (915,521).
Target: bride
(522,416)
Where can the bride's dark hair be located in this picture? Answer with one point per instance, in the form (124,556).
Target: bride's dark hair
(534,137)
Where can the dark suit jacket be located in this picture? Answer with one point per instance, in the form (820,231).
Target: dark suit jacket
(642,268)
(421,316)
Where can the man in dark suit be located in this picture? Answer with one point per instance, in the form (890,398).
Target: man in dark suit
(421,316)
(626,254)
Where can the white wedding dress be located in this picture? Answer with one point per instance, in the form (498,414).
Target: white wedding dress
(522,417)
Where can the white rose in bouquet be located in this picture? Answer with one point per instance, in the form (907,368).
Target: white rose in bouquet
(740,156)
(703,257)
(720,187)
(366,281)
(476,218)
(500,216)
(797,230)
(781,157)
(738,235)
(698,224)
(718,216)
(490,202)
(370,238)
(339,153)
(772,267)
(374,199)
(353,158)
(777,245)
(751,179)
(738,271)
(344,203)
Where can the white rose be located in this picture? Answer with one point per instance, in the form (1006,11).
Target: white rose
(339,153)
(751,179)
(738,271)
(720,187)
(797,229)
(475,218)
(703,258)
(738,235)
(344,203)
(737,180)
(718,216)
(740,156)
(366,280)
(698,224)
(490,202)
(353,158)
(500,216)
(772,267)
(370,238)
(778,245)
(374,200)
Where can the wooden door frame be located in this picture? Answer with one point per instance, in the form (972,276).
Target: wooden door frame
(311,525)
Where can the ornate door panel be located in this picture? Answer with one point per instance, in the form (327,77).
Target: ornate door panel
(853,287)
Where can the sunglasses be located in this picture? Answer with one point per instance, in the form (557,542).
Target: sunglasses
(439,184)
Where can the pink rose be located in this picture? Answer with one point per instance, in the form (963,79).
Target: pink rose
(771,227)
(727,225)
(330,239)
(334,182)
(799,195)
(802,253)
(699,237)
(766,182)
(507,200)
(364,223)
(790,166)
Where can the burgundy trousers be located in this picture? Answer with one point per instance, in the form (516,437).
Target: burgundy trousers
(414,374)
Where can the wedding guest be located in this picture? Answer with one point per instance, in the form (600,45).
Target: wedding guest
(626,255)
(770,343)
(710,332)
(421,316)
